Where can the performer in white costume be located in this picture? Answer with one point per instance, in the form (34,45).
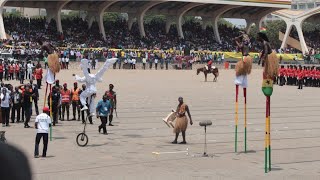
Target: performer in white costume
(91,80)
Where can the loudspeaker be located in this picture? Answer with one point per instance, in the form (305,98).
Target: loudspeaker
(205,123)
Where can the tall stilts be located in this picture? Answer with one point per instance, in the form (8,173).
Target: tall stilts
(245,119)
(236,120)
(267,137)
(266,140)
(269,131)
(45,95)
(51,111)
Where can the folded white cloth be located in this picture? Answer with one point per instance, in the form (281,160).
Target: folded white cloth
(241,81)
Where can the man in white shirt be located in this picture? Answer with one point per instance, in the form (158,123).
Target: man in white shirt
(63,62)
(42,124)
(156,62)
(5,106)
(67,62)
(134,63)
(72,55)
(222,58)
(29,70)
(144,61)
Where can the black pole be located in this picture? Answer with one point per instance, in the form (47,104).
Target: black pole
(205,141)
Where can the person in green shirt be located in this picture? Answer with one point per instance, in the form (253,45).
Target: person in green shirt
(45,59)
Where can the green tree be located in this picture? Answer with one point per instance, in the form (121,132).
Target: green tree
(190,19)
(273,28)
(111,17)
(70,15)
(222,21)
(310,27)
(13,14)
(254,31)
(157,18)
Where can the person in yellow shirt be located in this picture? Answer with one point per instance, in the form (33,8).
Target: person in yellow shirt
(139,56)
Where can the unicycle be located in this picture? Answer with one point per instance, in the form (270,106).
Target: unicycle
(82,138)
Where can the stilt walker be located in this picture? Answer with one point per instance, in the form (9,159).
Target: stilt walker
(270,63)
(53,69)
(243,68)
(91,80)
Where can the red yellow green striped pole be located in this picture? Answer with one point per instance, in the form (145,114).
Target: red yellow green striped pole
(266,138)
(236,120)
(245,119)
(269,135)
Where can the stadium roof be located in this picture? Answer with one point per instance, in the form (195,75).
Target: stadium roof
(253,10)
(128,5)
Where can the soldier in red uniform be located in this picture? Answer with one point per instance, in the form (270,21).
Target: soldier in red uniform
(11,71)
(112,96)
(288,75)
(282,73)
(17,70)
(304,68)
(313,76)
(300,77)
(308,76)
(294,75)
(318,77)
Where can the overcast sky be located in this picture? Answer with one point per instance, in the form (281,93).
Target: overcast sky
(237,22)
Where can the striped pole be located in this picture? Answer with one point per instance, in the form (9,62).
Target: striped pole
(269,135)
(51,112)
(45,96)
(236,120)
(245,119)
(266,140)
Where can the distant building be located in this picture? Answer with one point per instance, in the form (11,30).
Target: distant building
(304,4)
(29,12)
(26,12)
(295,5)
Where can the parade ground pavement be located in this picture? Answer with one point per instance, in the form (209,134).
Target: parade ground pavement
(145,97)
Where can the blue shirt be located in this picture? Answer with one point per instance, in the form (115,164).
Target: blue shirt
(103,108)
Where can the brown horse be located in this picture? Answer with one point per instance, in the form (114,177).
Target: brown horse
(214,71)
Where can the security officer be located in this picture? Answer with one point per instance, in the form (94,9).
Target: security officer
(75,101)
(66,99)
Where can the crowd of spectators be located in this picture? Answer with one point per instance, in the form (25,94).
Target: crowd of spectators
(311,38)
(77,34)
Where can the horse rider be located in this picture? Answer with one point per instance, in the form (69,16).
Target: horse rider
(209,65)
